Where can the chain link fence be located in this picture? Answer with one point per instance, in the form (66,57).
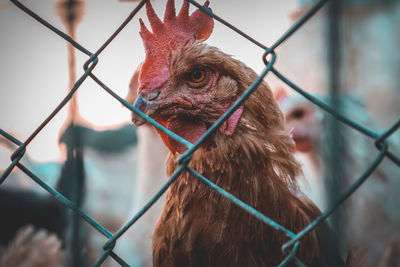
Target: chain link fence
(268,58)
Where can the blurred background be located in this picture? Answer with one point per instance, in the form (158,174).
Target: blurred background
(122,167)
(40,57)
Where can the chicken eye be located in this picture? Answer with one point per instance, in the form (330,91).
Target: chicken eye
(197,76)
(298,114)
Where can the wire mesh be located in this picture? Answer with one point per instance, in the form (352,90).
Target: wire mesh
(292,244)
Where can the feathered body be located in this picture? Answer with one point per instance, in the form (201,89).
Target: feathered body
(250,156)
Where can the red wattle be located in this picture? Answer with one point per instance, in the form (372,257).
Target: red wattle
(303,145)
(192,129)
(189,128)
(164,136)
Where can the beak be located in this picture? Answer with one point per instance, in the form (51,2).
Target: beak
(141,104)
(145,103)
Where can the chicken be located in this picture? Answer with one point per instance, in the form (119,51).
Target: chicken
(150,178)
(186,86)
(371,218)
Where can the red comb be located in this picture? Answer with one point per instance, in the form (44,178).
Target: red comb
(168,36)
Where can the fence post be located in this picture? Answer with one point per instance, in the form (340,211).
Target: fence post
(335,147)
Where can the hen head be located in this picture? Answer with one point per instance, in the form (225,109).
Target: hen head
(181,82)
(302,120)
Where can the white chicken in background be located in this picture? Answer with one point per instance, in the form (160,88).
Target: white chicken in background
(150,178)
(372,220)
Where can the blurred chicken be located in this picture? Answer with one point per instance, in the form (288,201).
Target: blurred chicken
(32,248)
(372,220)
(187,85)
(150,178)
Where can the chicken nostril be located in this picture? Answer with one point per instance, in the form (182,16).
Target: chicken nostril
(153,95)
(137,120)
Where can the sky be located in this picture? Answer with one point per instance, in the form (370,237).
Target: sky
(33,61)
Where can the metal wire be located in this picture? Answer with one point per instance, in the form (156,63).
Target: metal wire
(184,159)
